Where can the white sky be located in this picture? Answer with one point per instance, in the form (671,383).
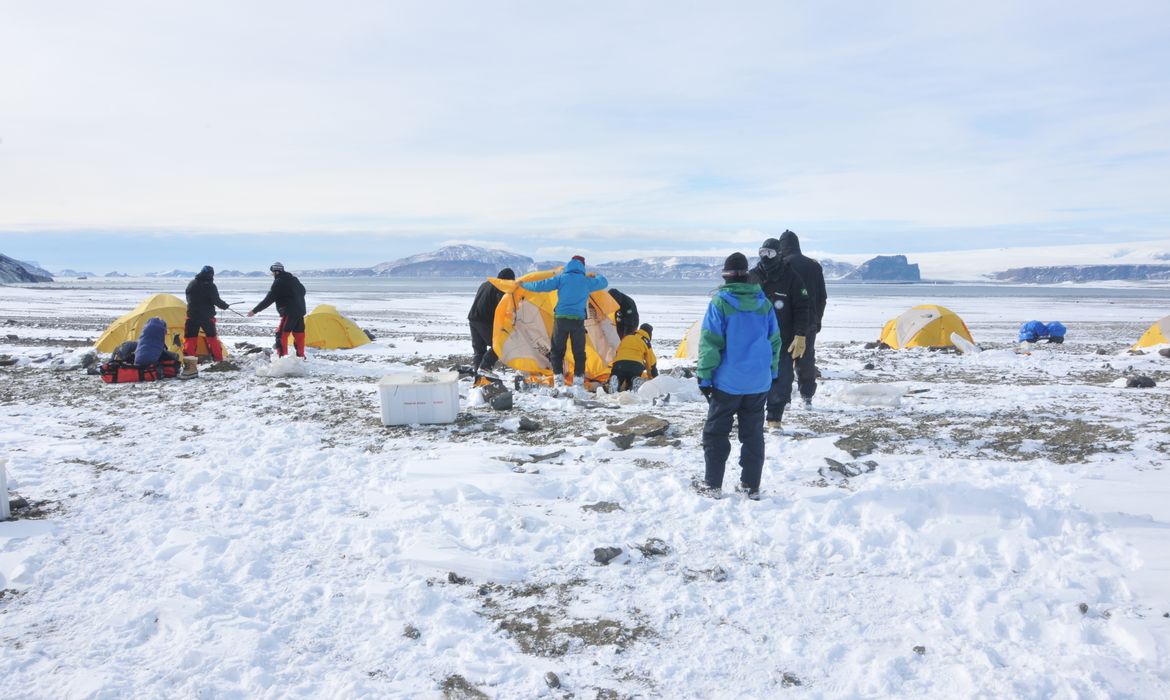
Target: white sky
(650,125)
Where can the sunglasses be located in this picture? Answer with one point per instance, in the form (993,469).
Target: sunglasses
(768,253)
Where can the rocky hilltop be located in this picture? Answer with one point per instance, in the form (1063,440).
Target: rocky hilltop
(15,271)
(885,268)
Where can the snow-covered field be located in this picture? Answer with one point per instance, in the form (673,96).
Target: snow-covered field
(939,525)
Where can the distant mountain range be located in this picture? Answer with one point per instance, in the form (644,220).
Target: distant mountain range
(1085,273)
(474,261)
(1135,262)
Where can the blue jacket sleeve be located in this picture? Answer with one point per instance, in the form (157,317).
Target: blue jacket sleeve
(545,285)
(597,282)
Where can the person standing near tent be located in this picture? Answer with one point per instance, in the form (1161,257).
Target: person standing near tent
(813,276)
(626,317)
(482,318)
(634,358)
(739,357)
(573,288)
(202,300)
(789,297)
(288,294)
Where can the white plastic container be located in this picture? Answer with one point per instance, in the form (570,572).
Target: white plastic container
(424,397)
(4,514)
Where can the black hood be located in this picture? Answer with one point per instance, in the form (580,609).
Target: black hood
(789,244)
(205,275)
(506,274)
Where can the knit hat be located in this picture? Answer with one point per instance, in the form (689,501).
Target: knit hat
(579,257)
(276,267)
(735,266)
(207,270)
(648,328)
(507,274)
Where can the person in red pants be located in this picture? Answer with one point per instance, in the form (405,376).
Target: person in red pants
(202,300)
(288,294)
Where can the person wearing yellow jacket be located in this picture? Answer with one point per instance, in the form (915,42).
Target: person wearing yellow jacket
(634,358)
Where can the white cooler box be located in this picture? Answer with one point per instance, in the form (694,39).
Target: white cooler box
(426,397)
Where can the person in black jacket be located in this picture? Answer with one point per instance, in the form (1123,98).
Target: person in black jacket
(814,280)
(289,296)
(482,319)
(202,300)
(626,317)
(785,289)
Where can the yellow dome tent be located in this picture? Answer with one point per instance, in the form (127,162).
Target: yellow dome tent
(327,329)
(522,336)
(1156,334)
(688,349)
(924,326)
(169,308)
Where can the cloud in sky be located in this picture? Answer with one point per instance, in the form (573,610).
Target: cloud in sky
(647,125)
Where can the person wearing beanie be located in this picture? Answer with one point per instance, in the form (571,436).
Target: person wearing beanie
(573,288)
(482,319)
(805,365)
(288,294)
(739,357)
(626,317)
(789,296)
(202,301)
(633,359)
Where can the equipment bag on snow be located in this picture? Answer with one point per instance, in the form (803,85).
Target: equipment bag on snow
(116,372)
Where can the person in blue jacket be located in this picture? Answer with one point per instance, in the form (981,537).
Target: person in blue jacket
(739,357)
(573,288)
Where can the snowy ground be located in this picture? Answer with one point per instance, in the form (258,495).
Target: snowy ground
(940,525)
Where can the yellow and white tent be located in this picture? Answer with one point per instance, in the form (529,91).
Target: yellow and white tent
(688,349)
(168,307)
(1156,334)
(522,334)
(925,326)
(327,329)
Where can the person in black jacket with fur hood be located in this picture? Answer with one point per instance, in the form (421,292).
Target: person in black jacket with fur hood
(482,319)
(202,300)
(288,294)
(814,281)
(789,296)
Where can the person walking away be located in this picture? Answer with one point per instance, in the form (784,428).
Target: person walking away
(573,288)
(813,276)
(789,297)
(626,317)
(739,357)
(288,294)
(202,300)
(634,358)
(482,319)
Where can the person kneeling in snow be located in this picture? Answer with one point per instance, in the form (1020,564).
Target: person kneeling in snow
(152,344)
(289,295)
(739,357)
(634,358)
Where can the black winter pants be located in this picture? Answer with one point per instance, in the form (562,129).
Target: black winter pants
(481,340)
(723,409)
(626,372)
(803,368)
(573,331)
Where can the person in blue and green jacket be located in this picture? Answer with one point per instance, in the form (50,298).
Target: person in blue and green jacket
(573,288)
(739,357)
